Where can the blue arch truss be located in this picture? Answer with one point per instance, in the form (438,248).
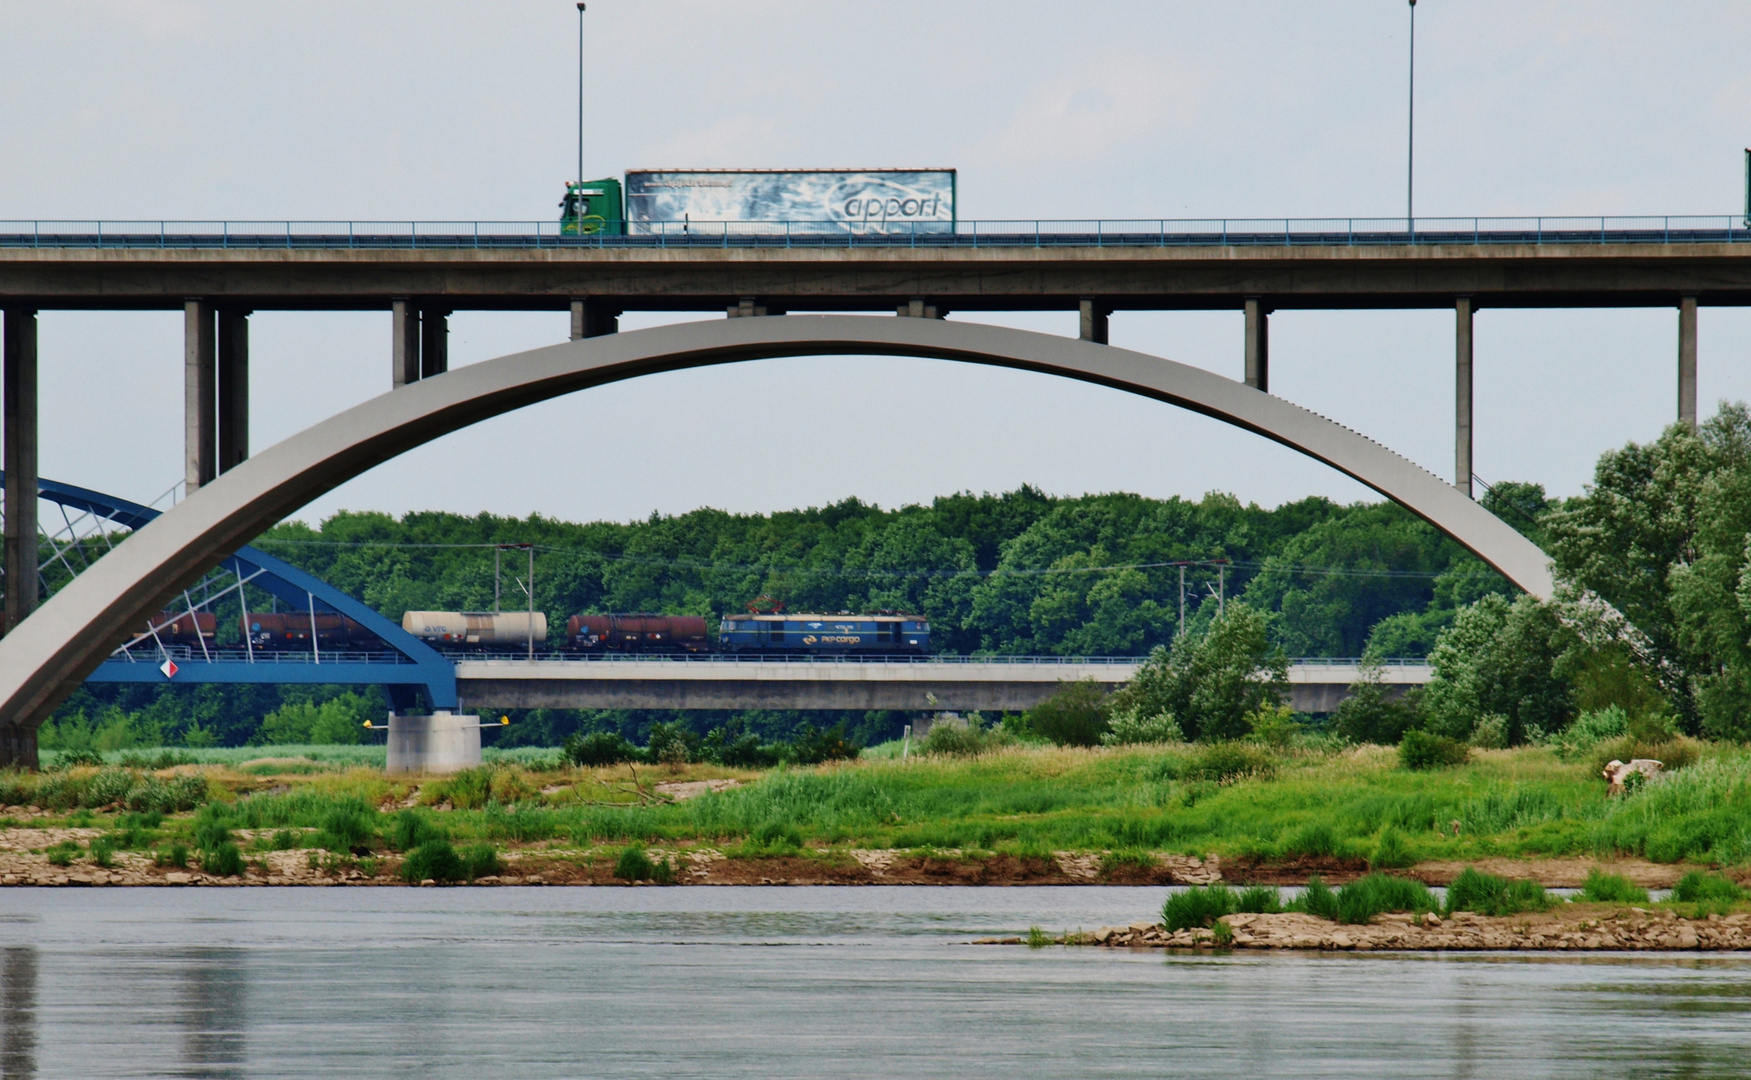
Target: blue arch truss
(405,666)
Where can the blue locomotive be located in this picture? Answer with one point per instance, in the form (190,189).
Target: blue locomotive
(817,634)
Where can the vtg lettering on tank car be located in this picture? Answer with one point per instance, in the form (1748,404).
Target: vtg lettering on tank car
(884,632)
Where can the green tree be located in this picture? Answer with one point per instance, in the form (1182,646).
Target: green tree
(337,721)
(1505,659)
(1212,680)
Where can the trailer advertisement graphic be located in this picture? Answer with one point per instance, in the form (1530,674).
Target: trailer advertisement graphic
(876,200)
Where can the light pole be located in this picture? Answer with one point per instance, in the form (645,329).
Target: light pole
(580,93)
(1410,142)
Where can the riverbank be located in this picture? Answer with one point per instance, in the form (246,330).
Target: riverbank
(1588,927)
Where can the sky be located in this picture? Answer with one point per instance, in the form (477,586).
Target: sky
(152,109)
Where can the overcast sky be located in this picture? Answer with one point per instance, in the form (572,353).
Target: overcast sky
(150,109)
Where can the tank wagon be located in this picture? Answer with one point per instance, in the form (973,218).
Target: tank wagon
(886,632)
(641,632)
(181,628)
(294,629)
(477,629)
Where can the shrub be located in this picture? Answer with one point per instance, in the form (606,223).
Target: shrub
(412,828)
(222,860)
(1368,715)
(809,746)
(1225,762)
(1075,715)
(351,824)
(1128,728)
(1697,886)
(742,750)
(671,744)
(72,759)
(1391,853)
(1424,750)
(1487,894)
(212,827)
(600,748)
(434,860)
(474,789)
(952,740)
(777,835)
(634,864)
(1200,905)
(1491,733)
(1603,888)
(480,860)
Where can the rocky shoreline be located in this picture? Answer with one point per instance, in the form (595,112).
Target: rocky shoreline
(1599,928)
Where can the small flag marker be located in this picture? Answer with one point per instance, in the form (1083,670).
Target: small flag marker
(169,668)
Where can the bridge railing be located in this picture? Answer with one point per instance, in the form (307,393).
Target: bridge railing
(878,658)
(1019,233)
(151,654)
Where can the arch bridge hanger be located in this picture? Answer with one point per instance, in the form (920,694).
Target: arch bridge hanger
(406,666)
(69,637)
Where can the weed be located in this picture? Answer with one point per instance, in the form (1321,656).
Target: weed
(413,828)
(434,860)
(634,864)
(222,860)
(1316,840)
(1317,899)
(349,825)
(479,860)
(663,872)
(62,854)
(284,840)
(1200,905)
(1392,852)
(1603,888)
(1697,886)
(1366,897)
(102,851)
(1133,857)
(212,827)
(1039,939)
(1487,894)
(1227,762)
(174,855)
(1424,750)
(1259,900)
(1222,933)
(777,836)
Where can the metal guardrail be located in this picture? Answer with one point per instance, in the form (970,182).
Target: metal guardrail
(152,655)
(760,658)
(1040,233)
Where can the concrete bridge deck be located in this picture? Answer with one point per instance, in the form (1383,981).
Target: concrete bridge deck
(994,684)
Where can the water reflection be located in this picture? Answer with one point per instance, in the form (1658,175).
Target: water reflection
(213,1014)
(18,977)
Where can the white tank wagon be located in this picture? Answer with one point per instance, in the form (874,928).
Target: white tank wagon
(483,629)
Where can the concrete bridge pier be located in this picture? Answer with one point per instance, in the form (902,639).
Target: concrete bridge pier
(215,391)
(18,429)
(590,319)
(1258,344)
(1463,311)
(1687,361)
(233,361)
(439,742)
(1094,320)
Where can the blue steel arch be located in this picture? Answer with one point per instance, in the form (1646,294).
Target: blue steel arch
(416,667)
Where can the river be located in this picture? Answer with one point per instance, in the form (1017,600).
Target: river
(793,982)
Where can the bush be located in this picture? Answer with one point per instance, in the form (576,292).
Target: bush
(600,748)
(1698,887)
(72,759)
(952,740)
(809,746)
(222,860)
(1487,894)
(634,864)
(1391,853)
(434,860)
(1368,715)
(777,835)
(212,827)
(671,744)
(1226,762)
(1127,728)
(1603,888)
(411,829)
(480,860)
(1213,680)
(1076,715)
(1423,750)
(1200,905)
(350,825)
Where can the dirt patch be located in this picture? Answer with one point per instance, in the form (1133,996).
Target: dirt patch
(1331,869)
(1553,873)
(687,789)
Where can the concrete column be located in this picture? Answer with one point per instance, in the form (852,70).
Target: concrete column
(1462,396)
(1687,361)
(1094,321)
(592,320)
(233,388)
(434,342)
(1258,345)
(404,346)
(18,414)
(200,400)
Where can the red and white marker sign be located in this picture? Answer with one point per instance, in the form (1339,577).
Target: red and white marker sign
(169,668)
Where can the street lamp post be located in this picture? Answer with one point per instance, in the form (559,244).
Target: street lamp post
(581,93)
(1410,142)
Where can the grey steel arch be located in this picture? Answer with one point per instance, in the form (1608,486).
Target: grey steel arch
(55,648)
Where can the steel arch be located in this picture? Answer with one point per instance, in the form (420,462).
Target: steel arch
(67,637)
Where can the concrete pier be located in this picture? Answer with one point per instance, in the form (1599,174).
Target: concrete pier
(1094,320)
(200,402)
(18,429)
(1258,345)
(233,387)
(441,742)
(592,320)
(1687,361)
(404,347)
(434,342)
(1462,470)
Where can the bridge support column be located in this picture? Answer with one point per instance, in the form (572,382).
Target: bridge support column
(404,343)
(590,320)
(18,414)
(200,400)
(1094,321)
(1687,361)
(434,342)
(1258,345)
(233,388)
(917,308)
(1462,310)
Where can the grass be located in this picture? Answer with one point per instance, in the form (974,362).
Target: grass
(1487,894)
(1603,888)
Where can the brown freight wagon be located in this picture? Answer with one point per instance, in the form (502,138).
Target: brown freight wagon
(637,633)
(292,630)
(180,627)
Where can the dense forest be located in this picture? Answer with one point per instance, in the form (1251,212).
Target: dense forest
(1017,573)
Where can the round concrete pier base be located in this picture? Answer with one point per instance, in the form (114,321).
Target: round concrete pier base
(439,743)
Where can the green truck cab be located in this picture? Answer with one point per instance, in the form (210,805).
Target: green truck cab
(592,208)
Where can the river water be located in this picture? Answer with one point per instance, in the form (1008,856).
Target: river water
(793,982)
